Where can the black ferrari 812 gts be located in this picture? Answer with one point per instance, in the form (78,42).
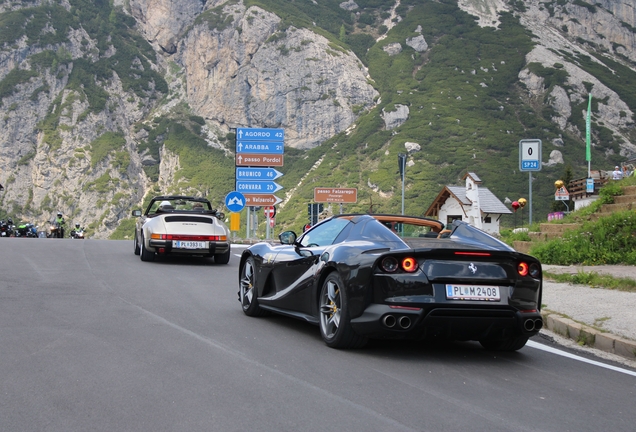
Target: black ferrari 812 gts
(361,276)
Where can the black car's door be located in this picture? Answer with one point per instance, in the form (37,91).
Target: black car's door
(296,267)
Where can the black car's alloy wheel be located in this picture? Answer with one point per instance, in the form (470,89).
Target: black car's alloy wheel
(335,324)
(247,290)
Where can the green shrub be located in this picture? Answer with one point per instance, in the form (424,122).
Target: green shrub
(610,240)
(125,230)
(106,143)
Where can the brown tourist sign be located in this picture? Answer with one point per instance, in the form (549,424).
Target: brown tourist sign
(335,195)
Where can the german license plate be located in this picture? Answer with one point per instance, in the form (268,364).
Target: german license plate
(472,292)
(190,245)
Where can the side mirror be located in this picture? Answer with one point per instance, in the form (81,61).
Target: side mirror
(136,213)
(220,216)
(287,237)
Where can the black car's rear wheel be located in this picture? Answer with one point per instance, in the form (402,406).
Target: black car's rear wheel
(223,258)
(146,255)
(335,323)
(510,344)
(136,247)
(247,290)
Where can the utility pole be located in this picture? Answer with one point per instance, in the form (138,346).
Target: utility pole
(402,166)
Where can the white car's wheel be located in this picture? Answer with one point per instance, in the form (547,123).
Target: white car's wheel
(136,247)
(145,254)
(223,258)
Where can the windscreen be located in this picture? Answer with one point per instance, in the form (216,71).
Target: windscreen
(179,204)
(468,234)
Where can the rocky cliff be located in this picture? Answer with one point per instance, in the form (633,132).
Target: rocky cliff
(563,31)
(232,65)
(86,91)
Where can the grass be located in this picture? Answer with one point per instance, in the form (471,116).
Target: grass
(594,279)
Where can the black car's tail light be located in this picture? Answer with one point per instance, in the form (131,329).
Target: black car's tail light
(389,264)
(523,269)
(535,270)
(483,254)
(409,264)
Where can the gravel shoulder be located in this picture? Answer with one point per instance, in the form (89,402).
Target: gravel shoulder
(618,271)
(608,310)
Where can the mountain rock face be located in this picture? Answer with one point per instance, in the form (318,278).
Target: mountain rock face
(163,21)
(81,101)
(251,74)
(243,71)
(572,28)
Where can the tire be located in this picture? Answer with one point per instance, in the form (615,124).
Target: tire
(136,247)
(223,258)
(510,344)
(335,323)
(145,254)
(247,290)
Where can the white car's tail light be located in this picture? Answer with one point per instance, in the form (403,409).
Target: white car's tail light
(188,237)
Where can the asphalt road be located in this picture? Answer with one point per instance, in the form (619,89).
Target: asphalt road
(93,339)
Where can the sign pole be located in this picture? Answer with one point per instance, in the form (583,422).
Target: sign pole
(530,160)
(402,167)
(249,223)
(530,199)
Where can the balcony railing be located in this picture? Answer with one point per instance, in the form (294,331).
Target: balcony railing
(578,188)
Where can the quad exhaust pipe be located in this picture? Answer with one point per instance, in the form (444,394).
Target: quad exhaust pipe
(533,324)
(405,322)
(390,321)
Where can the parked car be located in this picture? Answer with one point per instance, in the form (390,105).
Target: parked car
(181,225)
(364,276)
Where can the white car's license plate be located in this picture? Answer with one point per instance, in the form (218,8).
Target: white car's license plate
(472,292)
(190,244)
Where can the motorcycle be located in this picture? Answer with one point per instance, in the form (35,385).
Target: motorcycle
(77,233)
(6,228)
(27,230)
(56,230)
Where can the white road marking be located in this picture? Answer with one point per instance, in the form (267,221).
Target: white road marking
(546,348)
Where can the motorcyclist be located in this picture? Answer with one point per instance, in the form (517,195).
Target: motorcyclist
(61,222)
(77,229)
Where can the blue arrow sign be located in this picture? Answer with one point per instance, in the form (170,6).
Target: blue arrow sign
(260,147)
(257,174)
(235,201)
(257,186)
(260,134)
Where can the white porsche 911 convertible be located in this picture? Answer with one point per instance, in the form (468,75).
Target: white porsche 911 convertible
(181,225)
